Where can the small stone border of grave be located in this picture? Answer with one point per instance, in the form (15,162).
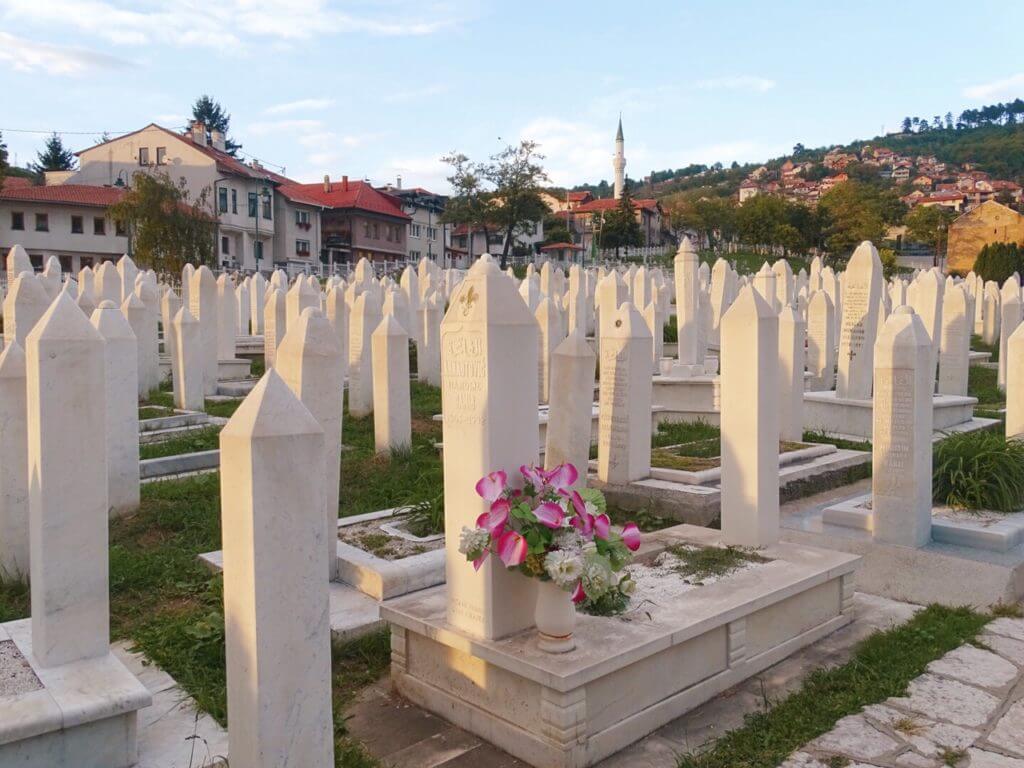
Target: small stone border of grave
(383,578)
(789,453)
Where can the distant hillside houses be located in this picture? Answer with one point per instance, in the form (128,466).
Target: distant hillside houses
(960,188)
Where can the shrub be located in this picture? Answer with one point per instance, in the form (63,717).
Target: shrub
(671,333)
(997,261)
(979,470)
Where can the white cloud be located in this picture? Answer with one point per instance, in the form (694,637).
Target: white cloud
(1007,86)
(425,171)
(29,56)
(300,105)
(737,83)
(224,25)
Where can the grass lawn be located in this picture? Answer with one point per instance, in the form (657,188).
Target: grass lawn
(977,345)
(207,439)
(881,667)
(748,262)
(981,383)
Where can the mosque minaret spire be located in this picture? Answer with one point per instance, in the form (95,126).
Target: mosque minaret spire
(619,161)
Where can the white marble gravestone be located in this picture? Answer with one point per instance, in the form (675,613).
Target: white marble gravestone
(275,324)
(203,307)
(624,419)
(14,517)
(120,356)
(901,482)
(1014,384)
(954,342)
(187,367)
(310,362)
(489,402)
(861,297)
(392,417)
(687,287)
(570,413)
(276,615)
(821,354)
(792,333)
(750,422)
(364,318)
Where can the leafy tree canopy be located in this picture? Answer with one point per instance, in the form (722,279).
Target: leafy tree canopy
(211,114)
(620,227)
(997,261)
(167,228)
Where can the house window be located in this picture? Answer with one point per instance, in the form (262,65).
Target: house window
(17,220)
(42,222)
(387,232)
(222,200)
(225,245)
(432,233)
(266,206)
(376,231)
(143,155)
(119,229)
(76,225)
(99,226)
(366,229)
(234,201)
(302,218)
(161,155)
(252,205)
(302,247)
(415,230)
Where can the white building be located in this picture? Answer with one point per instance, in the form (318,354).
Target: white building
(426,236)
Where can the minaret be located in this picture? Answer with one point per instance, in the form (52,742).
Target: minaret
(619,161)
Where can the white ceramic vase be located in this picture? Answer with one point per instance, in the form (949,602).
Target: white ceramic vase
(555,617)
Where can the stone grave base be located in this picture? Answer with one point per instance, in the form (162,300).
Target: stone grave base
(167,466)
(695,498)
(236,389)
(824,412)
(235,368)
(693,398)
(971,560)
(625,678)
(249,346)
(82,714)
(379,577)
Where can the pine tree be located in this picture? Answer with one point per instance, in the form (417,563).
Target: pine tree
(54,157)
(211,114)
(620,225)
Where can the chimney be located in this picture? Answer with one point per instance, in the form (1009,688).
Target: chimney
(399,182)
(344,183)
(217,140)
(199,133)
(327,183)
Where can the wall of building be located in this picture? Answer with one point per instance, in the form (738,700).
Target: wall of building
(287,231)
(75,250)
(988,223)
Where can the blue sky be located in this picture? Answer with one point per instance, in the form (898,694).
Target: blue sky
(374,89)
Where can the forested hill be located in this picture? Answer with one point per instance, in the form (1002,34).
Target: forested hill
(990,138)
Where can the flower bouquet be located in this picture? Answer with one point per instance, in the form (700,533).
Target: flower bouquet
(549,531)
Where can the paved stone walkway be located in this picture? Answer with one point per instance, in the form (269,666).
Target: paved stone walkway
(401,735)
(966,710)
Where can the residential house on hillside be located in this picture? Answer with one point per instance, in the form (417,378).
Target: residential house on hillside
(748,189)
(466,246)
(588,216)
(240,196)
(356,220)
(426,236)
(69,221)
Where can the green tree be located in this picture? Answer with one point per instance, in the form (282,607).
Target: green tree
(470,204)
(997,261)
(851,212)
(211,114)
(166,228)
(3,160)
(54,156)
(620,227)
(517,177)
(928,224)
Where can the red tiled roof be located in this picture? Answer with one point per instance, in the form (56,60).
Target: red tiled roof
(577,197)
(358,195)
(561,247)
(64,194)
(10,182)
(609,203)
(942,197)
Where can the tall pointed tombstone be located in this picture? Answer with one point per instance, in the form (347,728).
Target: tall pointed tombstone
(300,296)
(258,295)
(1014,384)
(901,437)
(821,354)
(859,324)
(275,324)
(792,334)
(148,342)
(489,402)
(68,506)
(392,417)
(337,315)
(51,277)
(750,422)
(428,357)
(570,414)
(227,317)
(120,356)
(764,283)
(784,294)
(203,307)
(277,632)
(135,313)
(18,261)
(187,368)
(126,272)
(549,326)
(927,304)
(310,362)
(624,418)
(954,342)
(169,306)
(687,287)
(990,331)
(25,303)
(14,514)
(364,318)
(243,295)
(1010,310)
(108,284)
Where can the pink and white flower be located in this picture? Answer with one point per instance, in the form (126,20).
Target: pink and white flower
(494,521)
(602,526)
(533,475)
(631,536)
(491,485)
(562,477)
(550,514)
(512,549)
